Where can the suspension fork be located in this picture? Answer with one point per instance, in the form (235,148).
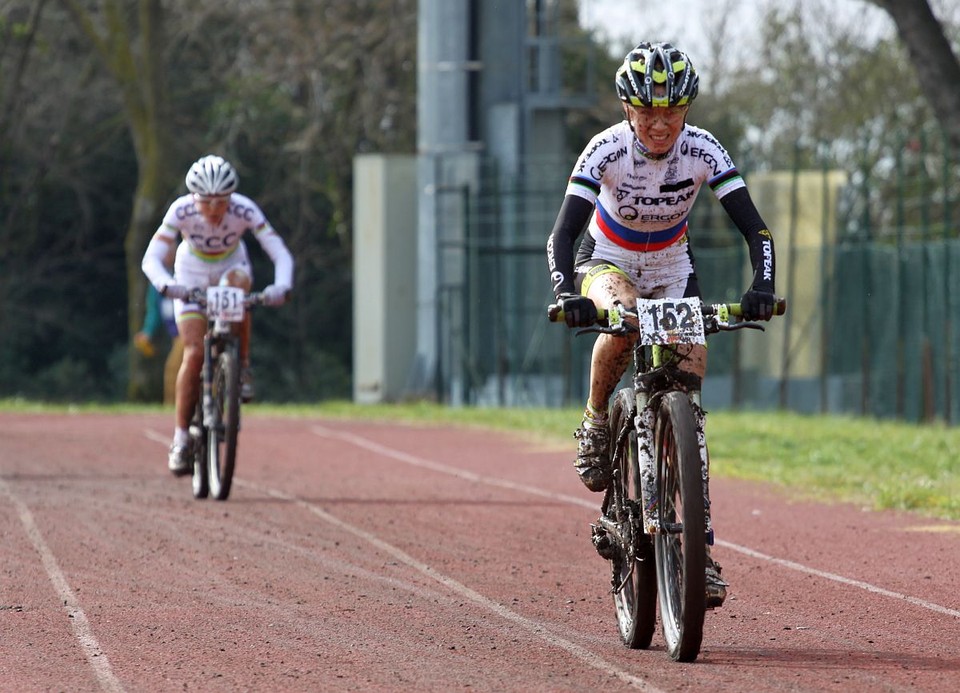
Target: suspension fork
(206,375)
(701,416)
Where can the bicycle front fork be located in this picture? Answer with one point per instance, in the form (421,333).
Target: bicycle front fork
(206,376)
(649,491)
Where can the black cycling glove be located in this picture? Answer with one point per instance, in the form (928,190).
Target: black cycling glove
(757,305)
(578,311)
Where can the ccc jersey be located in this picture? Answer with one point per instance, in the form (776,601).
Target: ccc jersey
(213,242)
(642,204)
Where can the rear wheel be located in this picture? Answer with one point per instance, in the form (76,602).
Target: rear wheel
(681,544)
(222,433)
(634,569)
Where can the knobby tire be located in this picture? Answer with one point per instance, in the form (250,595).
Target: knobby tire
(222,435)
(633,563)
(681,544)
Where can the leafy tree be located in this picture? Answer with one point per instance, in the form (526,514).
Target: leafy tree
(104,105)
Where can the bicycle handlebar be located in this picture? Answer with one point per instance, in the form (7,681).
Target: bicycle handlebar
(199,296)
(555,314)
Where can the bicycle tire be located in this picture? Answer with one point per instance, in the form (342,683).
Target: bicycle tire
(634,568)
(198,450)
(681,544)
(222,433)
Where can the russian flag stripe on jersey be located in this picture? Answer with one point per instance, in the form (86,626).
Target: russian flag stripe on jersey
(643,241)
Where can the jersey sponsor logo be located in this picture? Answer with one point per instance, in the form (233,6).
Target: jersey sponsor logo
(596,170)
(213,244)
(186,211)
(659,201)
(241,211)
(767,247)
(557,279)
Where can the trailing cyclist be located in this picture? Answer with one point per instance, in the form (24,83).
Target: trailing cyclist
(632,189)
(212,219)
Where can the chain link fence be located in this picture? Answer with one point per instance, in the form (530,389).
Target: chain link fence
(867,257)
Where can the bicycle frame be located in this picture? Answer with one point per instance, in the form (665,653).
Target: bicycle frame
(656,372)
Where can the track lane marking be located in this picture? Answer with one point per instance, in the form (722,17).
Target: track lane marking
(538,629)
(501,483)
(79,623)
(916,601)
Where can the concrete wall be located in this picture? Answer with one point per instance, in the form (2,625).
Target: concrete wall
(384,275)
(800,209)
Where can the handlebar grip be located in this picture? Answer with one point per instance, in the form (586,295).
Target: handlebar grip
(556,314)
(779,307)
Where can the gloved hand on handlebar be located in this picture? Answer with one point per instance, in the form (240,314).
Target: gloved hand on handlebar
(275,295)
(578,311)
(175,291)
(757,305)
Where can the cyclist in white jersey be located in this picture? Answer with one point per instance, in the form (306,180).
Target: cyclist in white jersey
(632,188)
(212,219)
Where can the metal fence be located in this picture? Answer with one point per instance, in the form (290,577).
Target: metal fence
(868,259)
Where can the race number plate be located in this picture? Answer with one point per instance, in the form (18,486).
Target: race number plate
(225,303)
(670,321)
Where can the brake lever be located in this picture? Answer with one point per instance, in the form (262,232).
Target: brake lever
(725,327)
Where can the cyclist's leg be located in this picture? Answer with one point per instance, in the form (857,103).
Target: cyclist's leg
(192,328)
(676,277)
(604,284)
(240,275)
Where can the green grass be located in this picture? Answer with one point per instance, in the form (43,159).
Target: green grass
(878,464)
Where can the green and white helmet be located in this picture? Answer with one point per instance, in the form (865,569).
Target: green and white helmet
(657,64)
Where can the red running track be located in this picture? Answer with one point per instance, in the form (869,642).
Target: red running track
(382,557)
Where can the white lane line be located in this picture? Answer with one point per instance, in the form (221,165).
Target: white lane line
(537,628)
(78,620)
(415,461)
(839,578)
(453,471)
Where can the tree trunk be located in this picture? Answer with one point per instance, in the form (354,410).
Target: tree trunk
(936,66)
(140,73)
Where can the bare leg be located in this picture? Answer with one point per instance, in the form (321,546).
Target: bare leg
(611,355)
(188,378)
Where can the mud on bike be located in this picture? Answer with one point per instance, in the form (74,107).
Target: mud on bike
(215,425)
(654,525)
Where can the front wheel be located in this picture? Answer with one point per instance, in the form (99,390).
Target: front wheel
(681,543)
(634,572)
(222,432)
(198,452)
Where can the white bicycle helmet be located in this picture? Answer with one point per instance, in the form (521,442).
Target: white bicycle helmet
(211,176)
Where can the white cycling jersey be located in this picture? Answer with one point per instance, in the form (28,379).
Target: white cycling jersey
(642,203)
(211,250)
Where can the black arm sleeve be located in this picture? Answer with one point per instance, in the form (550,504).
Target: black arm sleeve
(743,212)
(573,217)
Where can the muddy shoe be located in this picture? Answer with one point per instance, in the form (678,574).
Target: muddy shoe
(716,587)
(602,542)
(593,456)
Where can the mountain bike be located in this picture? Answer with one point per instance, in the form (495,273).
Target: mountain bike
(654,525)
(215,425)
